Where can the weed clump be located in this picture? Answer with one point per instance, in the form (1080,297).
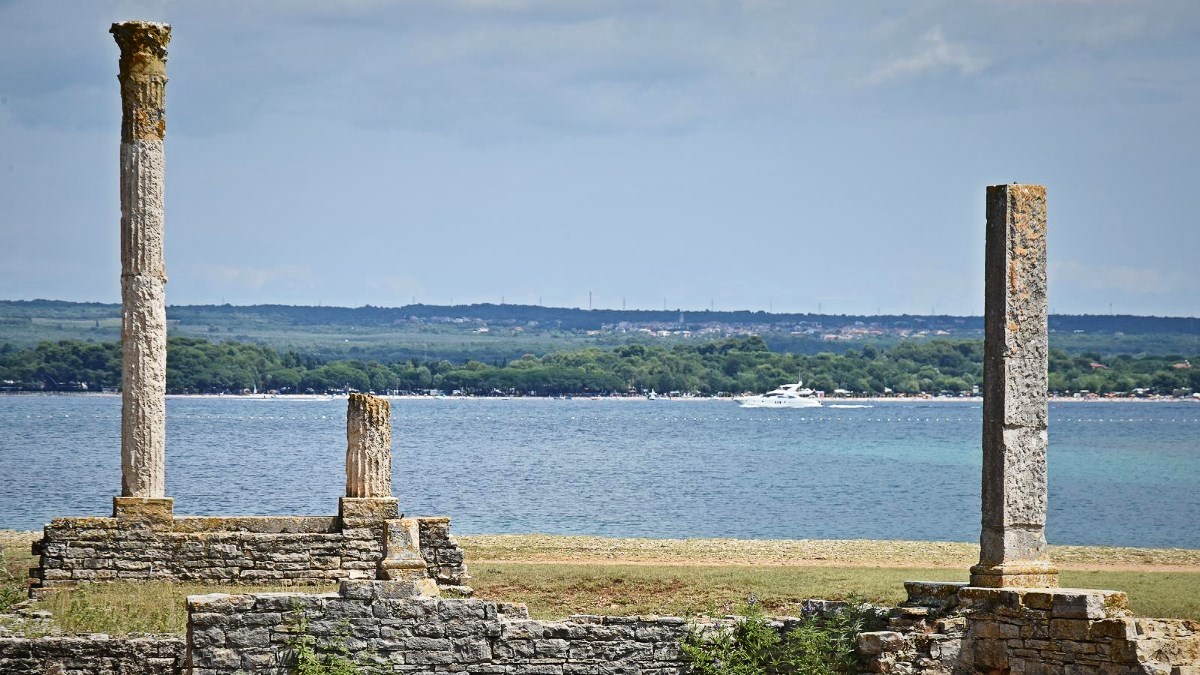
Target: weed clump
(308,659)
(755,645)
(12,582)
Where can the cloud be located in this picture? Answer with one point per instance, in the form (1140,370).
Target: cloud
(936,55)
(1143,280)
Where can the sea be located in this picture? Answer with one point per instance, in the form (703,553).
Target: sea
(1120,473)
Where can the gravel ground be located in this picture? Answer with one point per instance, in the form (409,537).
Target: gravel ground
(814,552)
(17,541)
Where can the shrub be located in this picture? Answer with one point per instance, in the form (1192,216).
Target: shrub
(755,645)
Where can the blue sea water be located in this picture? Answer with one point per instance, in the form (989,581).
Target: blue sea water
(1120,473)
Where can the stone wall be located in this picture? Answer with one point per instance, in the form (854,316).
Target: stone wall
(92,655)
(251,633)
(252,550)
(446,561)
(947,629)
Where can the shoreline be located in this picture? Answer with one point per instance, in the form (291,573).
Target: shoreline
(826,401)
(591,550)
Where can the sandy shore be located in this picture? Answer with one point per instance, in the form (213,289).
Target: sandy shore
(817,553)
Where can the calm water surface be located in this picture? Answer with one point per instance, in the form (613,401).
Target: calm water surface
(1120,473)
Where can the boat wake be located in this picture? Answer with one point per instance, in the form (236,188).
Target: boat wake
(847,405)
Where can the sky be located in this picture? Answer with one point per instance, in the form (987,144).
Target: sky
(778,155)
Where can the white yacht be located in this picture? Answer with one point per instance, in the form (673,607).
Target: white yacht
(788,396)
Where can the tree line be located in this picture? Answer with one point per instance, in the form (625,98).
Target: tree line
(732,365)
(574,318)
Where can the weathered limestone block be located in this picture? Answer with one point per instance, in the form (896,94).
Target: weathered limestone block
(144,542)
(368,447)
(1012,537)
(366,513)
(380,623)
(148,511)
(92,654)
(402,560)
(143,273)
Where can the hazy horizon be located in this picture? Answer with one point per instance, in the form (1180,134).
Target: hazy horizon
(688,310)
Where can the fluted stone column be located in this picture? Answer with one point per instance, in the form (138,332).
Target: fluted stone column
(1013,536)
(368,501)
(143,79)
(368,447)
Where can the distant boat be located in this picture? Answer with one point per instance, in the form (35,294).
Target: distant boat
(652,396)
(787,396)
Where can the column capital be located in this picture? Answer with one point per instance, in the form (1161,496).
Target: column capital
(143,77)
(147,37)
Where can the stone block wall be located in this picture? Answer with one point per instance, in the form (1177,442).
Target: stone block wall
(92,655)
(446,561)
(252,633)
(251,550)
(947,629)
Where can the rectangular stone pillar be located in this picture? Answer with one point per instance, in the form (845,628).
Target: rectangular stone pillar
(143,78)
(1013,536)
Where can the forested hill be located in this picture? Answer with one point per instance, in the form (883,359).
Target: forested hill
(498,333)
(573,318)
(703,367)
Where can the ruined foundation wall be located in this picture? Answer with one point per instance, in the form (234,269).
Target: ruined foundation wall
(446,561)
(947,629)
(301,550)
(424,635)
(92,655)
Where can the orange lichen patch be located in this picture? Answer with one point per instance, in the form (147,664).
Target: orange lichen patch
(83,523)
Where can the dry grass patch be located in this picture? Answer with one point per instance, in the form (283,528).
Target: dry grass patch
(15,561)
(148,607)
(557,591)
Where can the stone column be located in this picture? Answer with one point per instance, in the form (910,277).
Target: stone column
(368,447)
(143,78)
(1013,537)
(368,501)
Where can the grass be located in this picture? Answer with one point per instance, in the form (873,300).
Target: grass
(153,607)
(555,591)
(1165,595)
(15,561)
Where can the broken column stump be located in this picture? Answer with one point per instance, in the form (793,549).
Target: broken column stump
(368,499)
